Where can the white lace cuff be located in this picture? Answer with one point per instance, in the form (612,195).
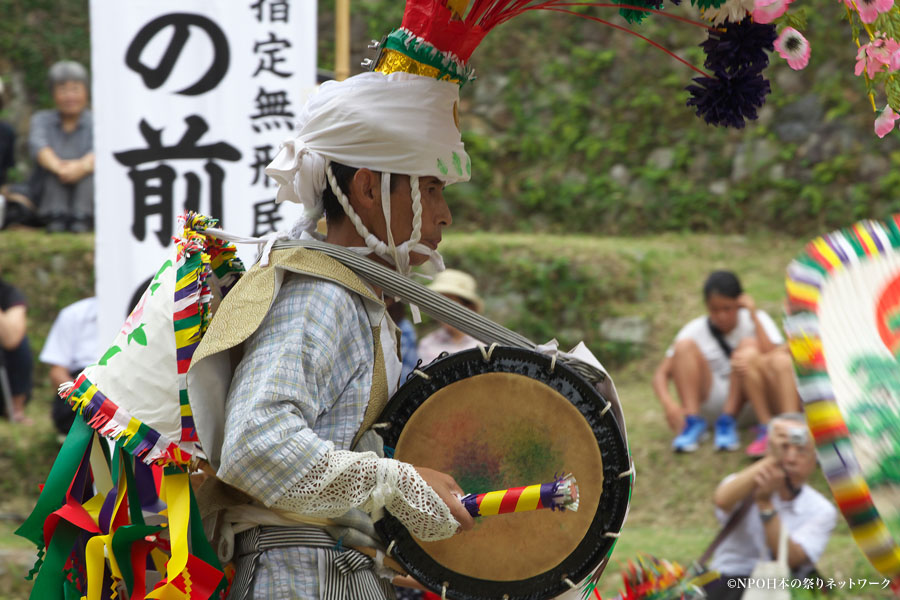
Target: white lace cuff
(342,480)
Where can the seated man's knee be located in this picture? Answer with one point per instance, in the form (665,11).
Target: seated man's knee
(747,346)
(780,361)
(686,347)
(746,356)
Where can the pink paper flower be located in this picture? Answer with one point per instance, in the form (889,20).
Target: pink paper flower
(869,9)
(884,122)
(876,54)
(895,60)
(766,11)
(792,46)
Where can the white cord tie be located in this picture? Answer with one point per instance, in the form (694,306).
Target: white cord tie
(487,352)
(422,374)
(606,408)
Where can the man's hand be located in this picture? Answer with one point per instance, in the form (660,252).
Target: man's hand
(747,301)
(769,478)
(408,582)
(674,416)
(450,492)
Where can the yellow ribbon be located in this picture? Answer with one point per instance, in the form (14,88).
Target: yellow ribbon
(176,490)
(94,555)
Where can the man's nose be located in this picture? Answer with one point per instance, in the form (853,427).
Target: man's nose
(445,218)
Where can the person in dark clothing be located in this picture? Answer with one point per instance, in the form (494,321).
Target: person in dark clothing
(7,146)
(15,354)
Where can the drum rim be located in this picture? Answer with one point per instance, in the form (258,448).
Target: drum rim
(596,546)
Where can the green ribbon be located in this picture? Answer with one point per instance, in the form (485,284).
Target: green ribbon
(50,582)
(61,474)
(122,542)
(201,547)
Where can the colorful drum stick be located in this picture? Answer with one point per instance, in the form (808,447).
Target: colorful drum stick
(560,494)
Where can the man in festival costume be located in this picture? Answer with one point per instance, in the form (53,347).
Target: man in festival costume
(285,386)
(373,153)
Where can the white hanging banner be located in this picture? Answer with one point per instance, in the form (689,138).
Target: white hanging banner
(191,100)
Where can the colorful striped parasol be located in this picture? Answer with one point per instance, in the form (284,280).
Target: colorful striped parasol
(843,326)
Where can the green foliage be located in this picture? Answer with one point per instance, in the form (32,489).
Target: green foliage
(37,33)
(567,119)
(796,18)
(544,289)
(892,91)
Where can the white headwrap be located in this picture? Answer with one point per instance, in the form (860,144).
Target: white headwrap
(397,123)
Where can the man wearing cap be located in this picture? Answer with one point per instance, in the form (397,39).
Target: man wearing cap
(461,288)
(61,142)
(373,153)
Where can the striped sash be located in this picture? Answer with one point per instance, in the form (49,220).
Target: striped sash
(348,574)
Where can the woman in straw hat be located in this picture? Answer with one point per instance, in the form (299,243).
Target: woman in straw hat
(461,288)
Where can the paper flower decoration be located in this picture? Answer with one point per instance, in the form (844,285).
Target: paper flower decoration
(766,11)
(869,9)
(729,99)
(791,45)
(884,122)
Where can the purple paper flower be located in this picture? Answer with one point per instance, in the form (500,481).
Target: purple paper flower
(738,46)
(728,99)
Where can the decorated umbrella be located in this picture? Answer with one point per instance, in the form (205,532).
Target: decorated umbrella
(112,506)
(843,326)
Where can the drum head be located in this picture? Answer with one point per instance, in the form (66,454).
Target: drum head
(506,422)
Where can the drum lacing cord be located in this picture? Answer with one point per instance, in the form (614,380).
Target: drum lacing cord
(606,408)
(384,425)
(390,548)
(422,374)
(486,352)
(611,534)
(630,471)
(444,590)
(553,363)
(569,582)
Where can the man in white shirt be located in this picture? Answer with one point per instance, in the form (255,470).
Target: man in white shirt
(71,346)
(779,496)
(717,361)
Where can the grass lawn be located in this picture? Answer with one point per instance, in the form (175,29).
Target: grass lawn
(671,513)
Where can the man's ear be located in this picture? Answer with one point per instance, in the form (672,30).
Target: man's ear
(365,190)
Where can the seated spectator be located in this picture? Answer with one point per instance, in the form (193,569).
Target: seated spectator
(61,143)
(71,345)
(7,145)
(459,287)
(15,354)
(774,493)
(719,361)
(408,353)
